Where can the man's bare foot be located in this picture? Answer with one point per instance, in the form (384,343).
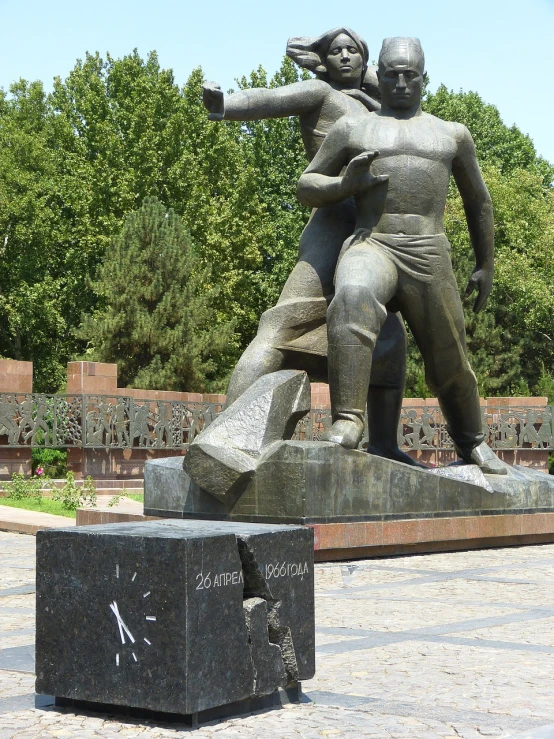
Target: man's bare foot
(484,457)
(396,454)
(347,433)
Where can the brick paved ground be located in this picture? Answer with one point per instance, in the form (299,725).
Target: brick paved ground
(443,645)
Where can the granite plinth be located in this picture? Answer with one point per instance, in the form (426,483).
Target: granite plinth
(320,482)
(177,617)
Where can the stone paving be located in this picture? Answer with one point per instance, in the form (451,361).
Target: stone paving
(424,647)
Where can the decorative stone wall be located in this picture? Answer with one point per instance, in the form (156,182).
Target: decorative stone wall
(99,378)
(15,377)
(494,409)
(110,432)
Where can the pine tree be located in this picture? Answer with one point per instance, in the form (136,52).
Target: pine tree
(156,318)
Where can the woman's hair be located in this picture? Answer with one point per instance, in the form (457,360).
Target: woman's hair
(311,53)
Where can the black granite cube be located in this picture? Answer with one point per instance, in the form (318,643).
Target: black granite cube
(174,616)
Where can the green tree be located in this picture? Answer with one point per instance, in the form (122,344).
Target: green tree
(511,341)
(216,188)
(137,134)
(36,264)
(156,317)
(74,163)
(506,147)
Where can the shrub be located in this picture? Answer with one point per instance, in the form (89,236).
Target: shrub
(72,497)
(24,487)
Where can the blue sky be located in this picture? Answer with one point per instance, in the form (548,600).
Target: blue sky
(500,48)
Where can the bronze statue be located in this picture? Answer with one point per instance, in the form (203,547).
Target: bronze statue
(398,257)
(292,334)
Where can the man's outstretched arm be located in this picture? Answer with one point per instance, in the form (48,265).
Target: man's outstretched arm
(322,184)
(478,209)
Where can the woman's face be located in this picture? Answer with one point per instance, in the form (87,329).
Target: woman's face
(344,62)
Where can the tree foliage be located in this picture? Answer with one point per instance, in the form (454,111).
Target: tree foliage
(155,314)
(75,163)
(277,153)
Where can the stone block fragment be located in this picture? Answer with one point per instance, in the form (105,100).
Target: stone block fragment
(224,456)
(267,660)
(169,491)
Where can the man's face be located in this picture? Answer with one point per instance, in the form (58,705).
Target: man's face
(344,61)
(400,80)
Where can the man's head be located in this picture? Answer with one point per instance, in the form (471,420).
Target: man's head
(401,70)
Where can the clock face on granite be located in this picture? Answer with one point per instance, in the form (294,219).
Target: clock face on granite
(132,620)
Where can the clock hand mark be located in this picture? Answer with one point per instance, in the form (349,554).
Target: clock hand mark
(121,624)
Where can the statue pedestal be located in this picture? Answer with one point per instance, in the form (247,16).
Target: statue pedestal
(361,505)
(318,482)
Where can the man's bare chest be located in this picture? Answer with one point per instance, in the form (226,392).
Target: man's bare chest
(418,139)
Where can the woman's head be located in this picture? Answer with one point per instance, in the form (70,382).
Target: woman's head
(339,55)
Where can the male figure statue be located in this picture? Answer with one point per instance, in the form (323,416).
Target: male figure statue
(398,257)
(293,334)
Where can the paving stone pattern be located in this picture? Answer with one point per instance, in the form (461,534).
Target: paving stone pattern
(423,647)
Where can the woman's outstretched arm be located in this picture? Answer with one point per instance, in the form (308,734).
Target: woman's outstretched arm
(259,102)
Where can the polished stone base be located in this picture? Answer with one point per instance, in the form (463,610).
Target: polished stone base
(392,538)
(321,482)
(276,699)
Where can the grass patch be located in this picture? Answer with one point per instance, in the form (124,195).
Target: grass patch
(135,496)
(42,505)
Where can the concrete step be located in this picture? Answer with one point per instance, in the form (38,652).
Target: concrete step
(127,510)
(20,521)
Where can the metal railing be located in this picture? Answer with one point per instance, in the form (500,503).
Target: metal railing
(100,421)
(422,429)
(120,422)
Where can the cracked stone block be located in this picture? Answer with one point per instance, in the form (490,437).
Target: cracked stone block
(277,568)
(267,660)
(224,456)
(161,615)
